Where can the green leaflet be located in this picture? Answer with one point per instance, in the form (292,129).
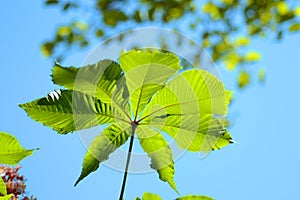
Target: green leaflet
(67,111)
(194,197)
(149,196)
(104,81)
(2,187)
(146,72)
(160,153)
(103,145)
(193,132)
(191,92)
(6,197)
(11,151)
(186,110)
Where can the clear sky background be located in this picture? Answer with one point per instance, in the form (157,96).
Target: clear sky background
(264,165)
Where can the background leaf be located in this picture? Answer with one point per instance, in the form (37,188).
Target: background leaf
(2,186)
(149,196)
(194,197)
(6,197)
(11,151)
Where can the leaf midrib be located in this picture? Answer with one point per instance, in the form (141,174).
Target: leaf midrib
(70,113)
(175,104)
(111,141)
(169,125)
(141,91)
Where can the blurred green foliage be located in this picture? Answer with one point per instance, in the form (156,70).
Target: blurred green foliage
(224,27)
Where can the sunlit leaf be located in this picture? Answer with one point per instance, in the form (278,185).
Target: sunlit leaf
(81,25)
(297,11)
(11,151)
(103,145)
(242,41)
(228,2)
(194,197)
(252,56)
(294,27)
(146,72)
(67,111)
(6,197)
(64,31)
(2,187)
(103,80)
(112,17)
(244,79)
(149,196)
(160,153)
(282,8)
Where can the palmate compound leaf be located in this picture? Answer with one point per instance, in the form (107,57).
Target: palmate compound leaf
(67,111)
(157,148)
(103,145)
(148,86)
(11,151)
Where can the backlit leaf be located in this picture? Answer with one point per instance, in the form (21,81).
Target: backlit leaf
(149,196)
(2,186)
(194,197)
(160,153)
(67,111)
(11,151)
(146,72)
(103,145)
(103,80)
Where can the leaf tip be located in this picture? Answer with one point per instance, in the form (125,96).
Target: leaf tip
(77,181)
(56,63)
(233,141)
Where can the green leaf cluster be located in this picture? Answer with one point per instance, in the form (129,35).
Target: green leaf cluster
(145,95)
(224,27)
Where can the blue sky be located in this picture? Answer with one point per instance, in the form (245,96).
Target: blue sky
(264,165)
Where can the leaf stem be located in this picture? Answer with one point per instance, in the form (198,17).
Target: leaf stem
(134,125)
